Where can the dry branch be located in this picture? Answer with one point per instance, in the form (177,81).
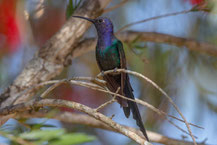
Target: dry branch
(158,88)
(154,18)
(129,36)
(193,45)
(39,70)
(50,60)
(82,119)
(99,85)
(97,120)
(82,108)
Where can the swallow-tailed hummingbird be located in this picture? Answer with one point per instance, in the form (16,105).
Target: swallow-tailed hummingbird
(110,55)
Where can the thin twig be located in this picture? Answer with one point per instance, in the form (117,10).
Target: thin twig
(16,139)
(154,18)
(47,91)
(116,6)
(27,90)
(96,87)
(108,102)
(161,90)
(37,86)
(183,121)
(82,119)
(100,83)
(80,107)
(97,81)
(93,86)
(105,104)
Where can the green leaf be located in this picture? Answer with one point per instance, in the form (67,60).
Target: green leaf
(37,126)
(71,7)
(42,134)
(72,139)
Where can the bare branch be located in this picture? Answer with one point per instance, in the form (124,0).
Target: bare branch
(116,6)
(108,102)
(88,45)
(154,18)
(193,45)
(95,87)
(82,108)
(50,59)
(82,119)
(77,81)
(161,90)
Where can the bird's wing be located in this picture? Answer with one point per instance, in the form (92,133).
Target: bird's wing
(124,76)
(122,64)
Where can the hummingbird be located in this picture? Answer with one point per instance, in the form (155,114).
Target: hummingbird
(110,55)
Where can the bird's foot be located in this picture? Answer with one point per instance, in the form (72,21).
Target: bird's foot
(37,99)
(112,116)
(147,143)
(8,108)
(115,70)
(102,73)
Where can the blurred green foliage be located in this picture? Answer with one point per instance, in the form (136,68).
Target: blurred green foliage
(55,137)
(47,134)
(71,7)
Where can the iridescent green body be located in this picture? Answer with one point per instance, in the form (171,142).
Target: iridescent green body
(110,56)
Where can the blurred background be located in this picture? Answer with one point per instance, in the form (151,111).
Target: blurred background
(190,78)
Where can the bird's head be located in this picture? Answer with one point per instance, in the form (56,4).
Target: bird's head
(102,24)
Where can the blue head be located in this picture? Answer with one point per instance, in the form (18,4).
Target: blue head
(103,25)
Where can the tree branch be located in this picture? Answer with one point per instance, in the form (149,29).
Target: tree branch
(158,88)
(49,61)
(82,108)
(154,18)
(129,36)
(39,70)
(193,45)
(82,119)
(65,45)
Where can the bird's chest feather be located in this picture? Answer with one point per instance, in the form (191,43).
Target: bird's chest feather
(108,58)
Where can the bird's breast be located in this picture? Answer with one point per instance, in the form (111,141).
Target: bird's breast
(108,58)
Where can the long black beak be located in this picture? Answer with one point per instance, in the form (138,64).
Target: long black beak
(88,19)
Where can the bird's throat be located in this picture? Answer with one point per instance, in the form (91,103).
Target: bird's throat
(105,40)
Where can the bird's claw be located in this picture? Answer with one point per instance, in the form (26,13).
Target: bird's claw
(112,116)
(102,73)
(115,70)
(38,99)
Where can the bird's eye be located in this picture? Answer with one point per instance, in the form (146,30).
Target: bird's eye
(100,20)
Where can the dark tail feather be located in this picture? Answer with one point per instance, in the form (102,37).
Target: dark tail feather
(137,117)
(134,108)
(127,111)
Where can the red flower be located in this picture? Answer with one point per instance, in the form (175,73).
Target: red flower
(10,36)
(202,5)
(195,2)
